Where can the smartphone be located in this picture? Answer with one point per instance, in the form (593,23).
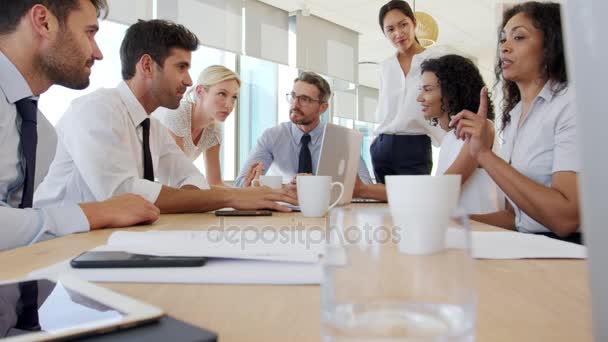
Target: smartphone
(243,213)
(100,259)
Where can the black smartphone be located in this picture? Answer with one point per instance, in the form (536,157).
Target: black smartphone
(124,259)
(243,213)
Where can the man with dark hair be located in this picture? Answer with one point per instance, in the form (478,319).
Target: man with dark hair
(44,43)
(110,145)
(14,11)
(293,147)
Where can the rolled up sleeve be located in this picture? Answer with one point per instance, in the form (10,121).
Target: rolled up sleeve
(566,157)
(261,153)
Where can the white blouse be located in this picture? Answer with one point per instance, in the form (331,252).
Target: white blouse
(398,109)
(543,144)
(179,121)
(478,194)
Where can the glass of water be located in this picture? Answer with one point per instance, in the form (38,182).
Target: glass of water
(375,290)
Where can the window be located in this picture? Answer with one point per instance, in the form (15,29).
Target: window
(258,103)
(367,129)
(286,77)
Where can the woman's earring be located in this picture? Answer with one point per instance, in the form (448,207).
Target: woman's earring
(434,121)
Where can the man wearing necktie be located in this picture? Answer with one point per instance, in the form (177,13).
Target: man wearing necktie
(40,47)
(116,124)
(293,147)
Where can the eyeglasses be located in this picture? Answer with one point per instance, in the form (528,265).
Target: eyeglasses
(302,99)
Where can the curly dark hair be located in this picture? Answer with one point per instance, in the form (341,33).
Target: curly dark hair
(547,18)
(460,83)
(156,38)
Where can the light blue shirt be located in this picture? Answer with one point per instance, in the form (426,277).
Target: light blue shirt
(21,227)
(279,147)
(543,144)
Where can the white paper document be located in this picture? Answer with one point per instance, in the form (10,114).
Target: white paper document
(282,262)
(215,271)
(514,245)
(238,257)
(238,244)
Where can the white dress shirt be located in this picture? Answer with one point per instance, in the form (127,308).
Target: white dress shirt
(543,144)
(24,226)
(478,194)
(399,111)
(100,152)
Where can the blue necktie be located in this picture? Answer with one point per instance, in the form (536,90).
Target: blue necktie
(28,110)
(305,160)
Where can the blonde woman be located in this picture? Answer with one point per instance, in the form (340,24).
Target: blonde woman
(195,124)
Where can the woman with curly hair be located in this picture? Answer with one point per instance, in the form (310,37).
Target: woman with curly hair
(451,84)
(538,166)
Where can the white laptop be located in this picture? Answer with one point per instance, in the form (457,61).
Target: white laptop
(339,158)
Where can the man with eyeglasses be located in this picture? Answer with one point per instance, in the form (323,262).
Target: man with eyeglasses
(293,147)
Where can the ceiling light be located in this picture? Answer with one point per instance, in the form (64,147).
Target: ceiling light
(427,29)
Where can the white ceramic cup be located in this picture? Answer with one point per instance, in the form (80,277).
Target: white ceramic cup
(314,193)
(274,182)
(421,207)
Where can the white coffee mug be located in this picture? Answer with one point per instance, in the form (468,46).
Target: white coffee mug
(421,207)
(274,182)
(314,193)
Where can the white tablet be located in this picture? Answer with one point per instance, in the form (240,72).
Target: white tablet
(48,309)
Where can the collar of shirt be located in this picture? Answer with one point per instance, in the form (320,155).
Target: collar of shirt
(12,82)
(136,111)
(315,134)
(428,52)
(545,95)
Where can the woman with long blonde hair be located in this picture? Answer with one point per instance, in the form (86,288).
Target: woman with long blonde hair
(195,125)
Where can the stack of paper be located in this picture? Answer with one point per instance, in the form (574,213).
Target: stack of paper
(238,258)
(239,244)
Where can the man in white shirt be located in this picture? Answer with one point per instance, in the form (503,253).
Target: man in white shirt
(109,144)
(44,43)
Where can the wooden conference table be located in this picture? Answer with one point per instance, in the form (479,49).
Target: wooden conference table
(519,300)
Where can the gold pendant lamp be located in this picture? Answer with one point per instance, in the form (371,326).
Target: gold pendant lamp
(427,29)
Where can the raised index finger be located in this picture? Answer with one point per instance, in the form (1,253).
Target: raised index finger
(483,103)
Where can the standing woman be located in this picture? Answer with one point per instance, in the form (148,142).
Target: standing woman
(538,167)
(403,143)
(195,124)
